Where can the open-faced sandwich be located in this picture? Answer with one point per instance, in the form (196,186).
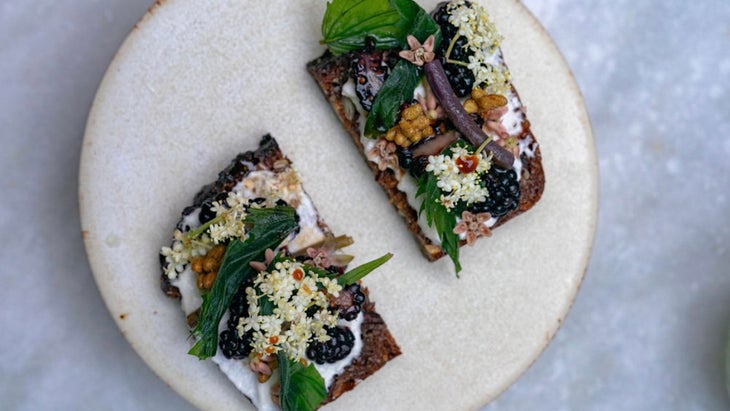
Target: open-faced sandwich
(266,291)
(429,101)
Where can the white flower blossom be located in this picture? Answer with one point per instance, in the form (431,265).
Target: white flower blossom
(455,185)
(483,40)
(293,290)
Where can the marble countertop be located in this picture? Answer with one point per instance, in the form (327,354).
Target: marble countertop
(647,330)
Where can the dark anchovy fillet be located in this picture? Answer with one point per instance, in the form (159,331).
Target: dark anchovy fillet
(379,346)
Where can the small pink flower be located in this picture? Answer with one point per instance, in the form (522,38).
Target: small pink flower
(320,257)
(384,150)
(326,255)
(492,123)
(473,226)
(262,266)
(419,54)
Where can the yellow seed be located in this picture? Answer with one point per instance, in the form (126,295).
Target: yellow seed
(491,102)
(217,252)
(390,135)
(421,122)
(263,378)
(477,93)
(400,139)
(200,282)
(197,265)
(471,106)
(209,264)
(412,112)
(208,280)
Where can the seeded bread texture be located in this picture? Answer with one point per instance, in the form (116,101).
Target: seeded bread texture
(379,346)
(332,72)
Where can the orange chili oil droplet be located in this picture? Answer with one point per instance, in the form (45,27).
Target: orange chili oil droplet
(298,274)
(273,339)
(467,164)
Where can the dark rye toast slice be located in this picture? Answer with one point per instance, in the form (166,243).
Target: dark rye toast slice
(378,347)
(332,72)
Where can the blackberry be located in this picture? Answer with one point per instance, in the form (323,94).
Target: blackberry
(230,343)
(369,70)
(405,157)
(460,77)
(418,167)
(353,305)
(239,304)
(206,211)
(504,192)
(234,346)
(338,347)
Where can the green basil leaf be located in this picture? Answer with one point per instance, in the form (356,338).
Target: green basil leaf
(396,90)
(267,228)
(421,25)
(439,217)
(302,388)
(357,273)
(347,23)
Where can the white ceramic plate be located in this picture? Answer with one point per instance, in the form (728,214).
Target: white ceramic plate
(198,81)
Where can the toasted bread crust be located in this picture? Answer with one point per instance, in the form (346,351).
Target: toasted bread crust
(379,346)
(332,72)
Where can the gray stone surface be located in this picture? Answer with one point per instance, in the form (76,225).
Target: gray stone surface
(647,330)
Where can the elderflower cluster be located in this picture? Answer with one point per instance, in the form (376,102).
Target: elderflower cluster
(230,215)
(227,224)
(483,40)
(293,291)
(178,255)
(454,184)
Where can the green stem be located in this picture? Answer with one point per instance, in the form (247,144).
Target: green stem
(200,230)
(451,46)
(460,63)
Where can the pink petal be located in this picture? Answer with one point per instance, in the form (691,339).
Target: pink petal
(482,217)
(257,265)
(413,42)
(471,238)
(461,228)
(485,231)
(269,255)
(428,56)
(467,216)
(408,55)
(428,44)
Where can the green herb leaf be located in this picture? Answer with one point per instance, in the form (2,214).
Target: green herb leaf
(439,217)
(396,90)
(302,388)
(347,23)
(357,273)
(267,228)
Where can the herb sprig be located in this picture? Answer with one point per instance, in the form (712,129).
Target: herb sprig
(267,228)
(439,216)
